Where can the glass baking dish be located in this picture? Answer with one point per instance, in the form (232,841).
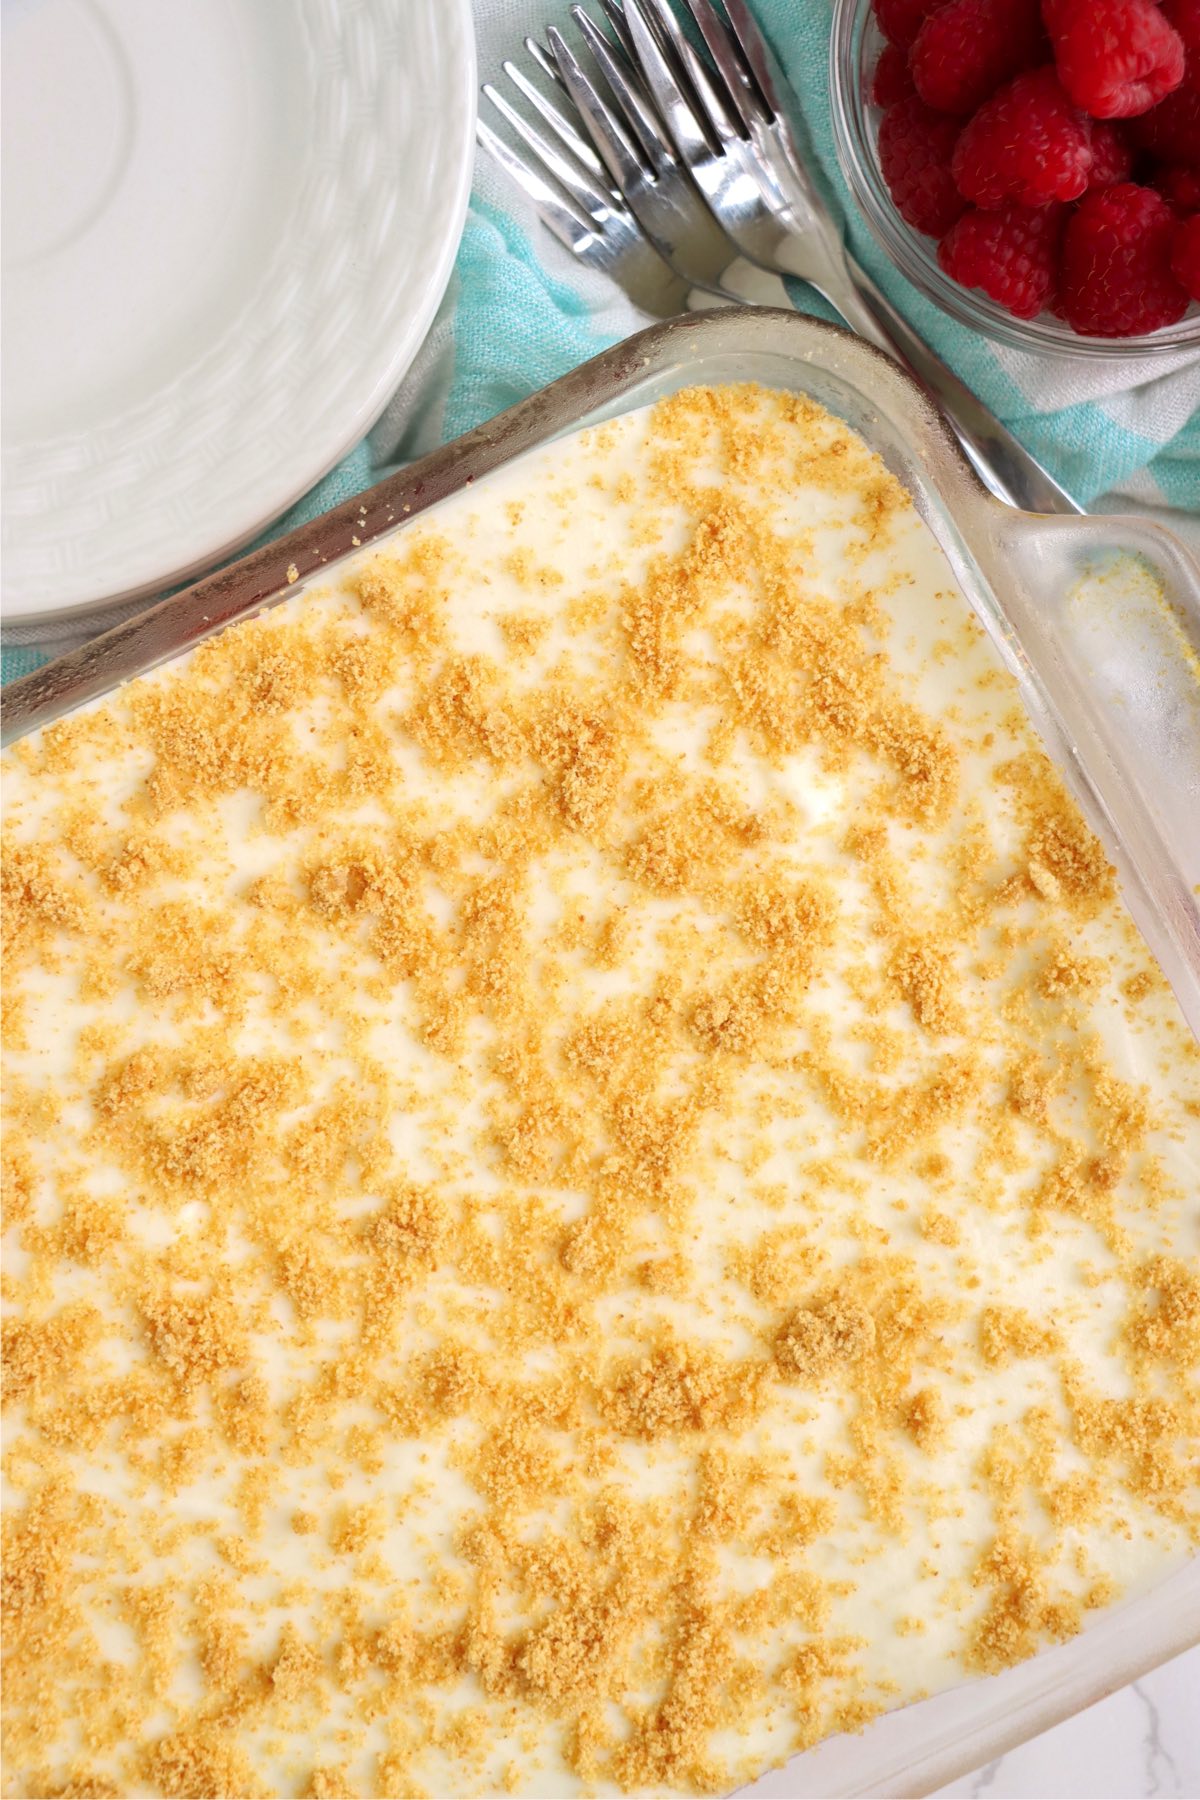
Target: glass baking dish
(1099,620)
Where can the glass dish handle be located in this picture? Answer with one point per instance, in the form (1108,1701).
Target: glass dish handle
(1107,608)
(1098,544)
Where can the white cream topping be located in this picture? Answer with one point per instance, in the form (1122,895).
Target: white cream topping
(894,1563)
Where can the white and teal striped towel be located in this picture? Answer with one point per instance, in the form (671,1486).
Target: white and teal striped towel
(520,311)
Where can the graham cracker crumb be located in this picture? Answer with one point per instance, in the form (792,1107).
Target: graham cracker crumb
(570,1098)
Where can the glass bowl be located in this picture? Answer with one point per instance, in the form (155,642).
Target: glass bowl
(854,49)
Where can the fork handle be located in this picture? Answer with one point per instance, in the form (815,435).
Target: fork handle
(1006,468)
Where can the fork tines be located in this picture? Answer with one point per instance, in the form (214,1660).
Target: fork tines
(740,54)
(662,53)
(562,175)
(579,195)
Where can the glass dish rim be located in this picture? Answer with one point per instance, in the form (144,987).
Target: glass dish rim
(269,574)
(996,553)
(915,255)
(904,1751)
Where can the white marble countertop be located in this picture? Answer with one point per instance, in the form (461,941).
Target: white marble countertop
(1142,1741)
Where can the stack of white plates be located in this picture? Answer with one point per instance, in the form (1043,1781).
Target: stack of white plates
(227,227)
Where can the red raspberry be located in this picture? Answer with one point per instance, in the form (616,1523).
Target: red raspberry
(1184,15)
(915,146)
(900,20)
(1112,159)
(968,47)
(1179,186)
(1116,58)
(1185,254)
(1115,278)
(1172,130)
(892,80)
(1012,254)
(1028,144)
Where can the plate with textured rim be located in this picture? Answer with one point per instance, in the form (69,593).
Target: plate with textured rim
(228,225)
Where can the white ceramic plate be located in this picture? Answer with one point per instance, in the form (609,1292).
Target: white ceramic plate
(227,227)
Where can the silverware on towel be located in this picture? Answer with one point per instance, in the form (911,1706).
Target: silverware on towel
(702,157)
(566,181)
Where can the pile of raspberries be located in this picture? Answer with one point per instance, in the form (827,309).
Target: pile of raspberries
(1053,149)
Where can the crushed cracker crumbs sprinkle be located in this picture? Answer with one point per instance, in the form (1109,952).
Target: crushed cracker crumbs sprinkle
(562,1150)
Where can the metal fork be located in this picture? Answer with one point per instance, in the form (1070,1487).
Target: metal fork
(566,182)
(731,123)
(641,158)
(639,178)
(777,218)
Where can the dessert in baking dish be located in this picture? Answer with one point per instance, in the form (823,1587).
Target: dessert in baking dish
(599,1185)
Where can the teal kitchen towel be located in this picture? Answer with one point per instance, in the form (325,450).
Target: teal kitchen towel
(520,311)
